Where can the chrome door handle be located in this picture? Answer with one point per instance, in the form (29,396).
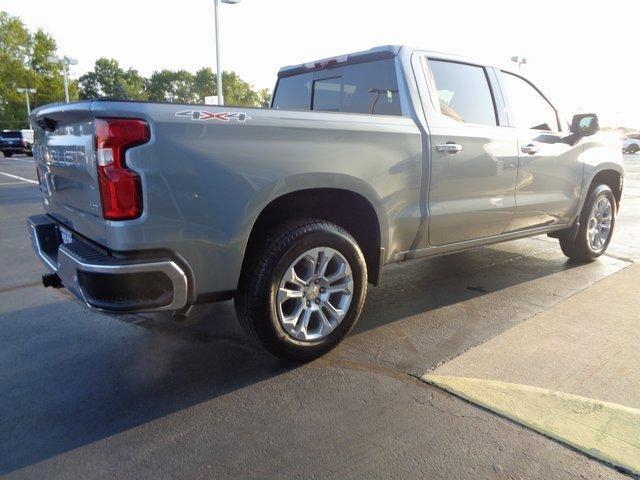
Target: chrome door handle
(449,148)
(530,149)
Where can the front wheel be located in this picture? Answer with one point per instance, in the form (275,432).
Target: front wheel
(7,154)
(633,148)
(304,291)
(597,220)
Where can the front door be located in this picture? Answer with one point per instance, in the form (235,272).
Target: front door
(550,171)
(473,159)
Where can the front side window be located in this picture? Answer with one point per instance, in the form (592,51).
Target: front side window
(369,87)
(529,108)
(463,92)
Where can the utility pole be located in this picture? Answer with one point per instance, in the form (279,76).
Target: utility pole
(218,69)
(26,92)
(64,62)
(519,60)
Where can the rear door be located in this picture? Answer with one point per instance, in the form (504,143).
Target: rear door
(549,172)
(473,158)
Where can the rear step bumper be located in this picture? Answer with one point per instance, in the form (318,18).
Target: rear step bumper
(104,282)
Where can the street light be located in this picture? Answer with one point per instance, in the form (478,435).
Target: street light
(26,92)
(64,62)
(218,71)
(519,60)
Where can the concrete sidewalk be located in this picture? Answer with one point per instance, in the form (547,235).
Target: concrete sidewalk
(571,372)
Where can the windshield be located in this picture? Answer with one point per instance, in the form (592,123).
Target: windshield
(11,134)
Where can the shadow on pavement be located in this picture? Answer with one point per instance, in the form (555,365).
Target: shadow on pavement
(73,377)
(62,389)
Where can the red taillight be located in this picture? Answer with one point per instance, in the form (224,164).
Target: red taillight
(120,188)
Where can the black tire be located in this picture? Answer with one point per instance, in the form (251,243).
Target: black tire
(633,149)
(578,248)
(8,155)
(255,300)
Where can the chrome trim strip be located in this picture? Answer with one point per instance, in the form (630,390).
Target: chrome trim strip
(69,265)
(168,267)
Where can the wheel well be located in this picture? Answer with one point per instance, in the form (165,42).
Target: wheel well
(612,179)
(347,209)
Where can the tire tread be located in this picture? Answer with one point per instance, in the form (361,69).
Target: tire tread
(250,304)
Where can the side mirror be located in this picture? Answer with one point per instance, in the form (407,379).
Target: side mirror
(585,124)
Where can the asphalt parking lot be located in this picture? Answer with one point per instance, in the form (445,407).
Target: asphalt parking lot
(87,395)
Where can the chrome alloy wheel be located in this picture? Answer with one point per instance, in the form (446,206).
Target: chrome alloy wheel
(314,294)
(599,227)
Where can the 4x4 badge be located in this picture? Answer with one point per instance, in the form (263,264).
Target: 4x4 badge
(206,115)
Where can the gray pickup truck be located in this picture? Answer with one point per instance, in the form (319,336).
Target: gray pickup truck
(364,159)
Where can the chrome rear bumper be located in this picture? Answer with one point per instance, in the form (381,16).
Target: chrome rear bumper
(103,281)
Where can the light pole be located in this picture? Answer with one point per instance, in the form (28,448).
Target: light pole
(64,62)
(26,92)
(519,60)
(218,71)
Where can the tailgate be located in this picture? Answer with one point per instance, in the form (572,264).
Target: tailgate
(65,158)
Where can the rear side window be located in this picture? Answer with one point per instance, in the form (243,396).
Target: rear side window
(293,93)
(530,109)
(370,87)
(463,92)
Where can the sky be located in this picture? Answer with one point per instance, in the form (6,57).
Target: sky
(582,54)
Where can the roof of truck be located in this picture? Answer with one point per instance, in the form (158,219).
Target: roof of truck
(375,53)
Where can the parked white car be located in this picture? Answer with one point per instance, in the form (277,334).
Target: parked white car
(631,143)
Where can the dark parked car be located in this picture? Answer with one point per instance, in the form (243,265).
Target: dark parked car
(16,141)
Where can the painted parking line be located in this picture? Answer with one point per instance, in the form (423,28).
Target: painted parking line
(569,372)
(4,184)
(24,159)
(605,430)
(16,177)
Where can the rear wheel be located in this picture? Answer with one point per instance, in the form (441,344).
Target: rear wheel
(597,221)
(7,154)
(304,291)
(633,148)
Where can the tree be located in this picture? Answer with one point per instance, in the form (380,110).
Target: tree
(47,76)
(238,92)
(167,85)
(264,98)
(204,84)
(15,47)
(109,80)
(23,63)
(182,86)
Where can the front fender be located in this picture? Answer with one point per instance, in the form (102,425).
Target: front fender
(601,152)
